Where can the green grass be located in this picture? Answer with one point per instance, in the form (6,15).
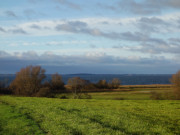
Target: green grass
(136,94)
(14,123)
(120,96)
(129,94)
(92,117)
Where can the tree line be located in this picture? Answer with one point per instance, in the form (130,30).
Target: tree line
(30,81)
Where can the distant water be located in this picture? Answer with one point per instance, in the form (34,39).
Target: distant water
(126,79)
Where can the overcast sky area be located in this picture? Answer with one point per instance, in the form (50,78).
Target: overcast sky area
(91,36)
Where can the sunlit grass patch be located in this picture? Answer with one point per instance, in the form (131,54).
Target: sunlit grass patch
(91,116)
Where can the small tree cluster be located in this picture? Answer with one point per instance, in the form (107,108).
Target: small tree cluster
(113,84)
(77,84)
(29,82)
(56,83)
(102,84)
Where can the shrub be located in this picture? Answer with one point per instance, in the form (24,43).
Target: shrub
(175,80)
(156,96)
(63,97)
(85,96)
(90,86)
(44,92)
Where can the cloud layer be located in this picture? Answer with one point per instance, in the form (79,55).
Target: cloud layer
(90,61)
(143,35)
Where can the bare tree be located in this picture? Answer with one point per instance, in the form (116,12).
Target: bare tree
(175,80)
(28,81)
(57,82)
(115,83)
(102,84)
(77,84)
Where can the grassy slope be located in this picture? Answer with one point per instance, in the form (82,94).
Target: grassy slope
(68,116)
(14,123)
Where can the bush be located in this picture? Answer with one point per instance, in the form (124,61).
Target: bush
(44,92)
(156,96)
(63,97)
(175,80)
(90,86)
(85,96)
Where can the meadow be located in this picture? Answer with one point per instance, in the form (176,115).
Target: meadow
(137,92)
(128,92)
(52,116)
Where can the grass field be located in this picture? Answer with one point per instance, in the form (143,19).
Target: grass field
(30,115)
(132,94)
(129,92)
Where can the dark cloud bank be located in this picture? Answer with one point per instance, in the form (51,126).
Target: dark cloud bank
(103,64)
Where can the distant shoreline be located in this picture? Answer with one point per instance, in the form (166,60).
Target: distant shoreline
(126,79)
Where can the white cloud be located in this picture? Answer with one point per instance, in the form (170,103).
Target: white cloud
(150,34)
(116,25)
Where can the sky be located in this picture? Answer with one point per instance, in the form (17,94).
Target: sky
(90,36)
